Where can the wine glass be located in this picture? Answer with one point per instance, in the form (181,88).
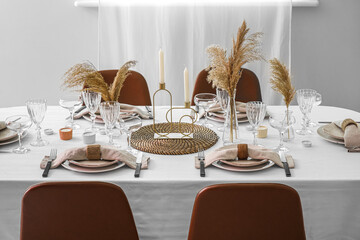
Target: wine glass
(110,113)
(131,125)
(223,99)
(317,102)
(18,124)
(92,101)
(205,100)
(306,99)
(69,102)
(255,112)
(282,122)
(37,109)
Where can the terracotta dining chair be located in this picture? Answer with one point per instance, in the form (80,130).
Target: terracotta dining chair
(76,210)
(247,211)
(247,89)
(135,90)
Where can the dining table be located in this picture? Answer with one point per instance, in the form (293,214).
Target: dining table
(326,176)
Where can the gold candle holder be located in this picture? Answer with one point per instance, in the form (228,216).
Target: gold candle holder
(187,104)
(162,88)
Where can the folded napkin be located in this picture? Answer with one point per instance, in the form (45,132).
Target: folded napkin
(123,108)
(240,108)
(2,125)
(107,153)
(255,152)
(351,132)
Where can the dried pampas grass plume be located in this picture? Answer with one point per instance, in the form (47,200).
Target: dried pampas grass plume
(225,72)
(281,81)
(86,75)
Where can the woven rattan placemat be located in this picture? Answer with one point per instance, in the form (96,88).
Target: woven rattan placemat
(143,139)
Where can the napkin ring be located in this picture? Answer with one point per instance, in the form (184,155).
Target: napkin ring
(93,152)
(347,122)
(242,151)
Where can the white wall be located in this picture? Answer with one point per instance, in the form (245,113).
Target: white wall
(41,39)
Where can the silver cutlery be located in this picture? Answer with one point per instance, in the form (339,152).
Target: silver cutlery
(138,164)
(77,111)
(285,163)
(53,153)
(201,157)
(5,151)
(148,109)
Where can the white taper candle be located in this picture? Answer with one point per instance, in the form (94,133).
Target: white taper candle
(161,66)
(186,85)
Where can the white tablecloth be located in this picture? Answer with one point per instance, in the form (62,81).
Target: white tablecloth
(326,176)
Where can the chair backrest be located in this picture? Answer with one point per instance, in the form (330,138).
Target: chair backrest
(247,211)
(135,90)
(76,210)
(247,89)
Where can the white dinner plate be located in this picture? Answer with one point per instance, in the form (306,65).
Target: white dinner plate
(76,168)
(93,163)
(222,120)
(14,139)
(227,167)
(327,137)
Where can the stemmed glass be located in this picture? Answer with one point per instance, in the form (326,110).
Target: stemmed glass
(282,122)
(205,100)
(110,113)
(223,99)
(255,112)
(317,102)
(37,109)
(306,99)
(92,101)
(69,103)
(18,124)
(131,125)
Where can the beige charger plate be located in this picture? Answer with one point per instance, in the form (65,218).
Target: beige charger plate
(14,139)
(7,134)
(326,136)
(92,163)
(245,163)
(227,167)
(76,168)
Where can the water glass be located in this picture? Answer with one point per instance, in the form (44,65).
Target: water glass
(92,101)
(255,112)
(18,124)
(317,103)
(223,99)
(131,125)
(205,101)
(306,99)
(282,122)
(37,109)
(110,113)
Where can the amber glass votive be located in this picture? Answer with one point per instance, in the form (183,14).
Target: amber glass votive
(65,133)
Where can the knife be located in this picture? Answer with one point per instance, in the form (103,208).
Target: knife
(201,158)
(138,164)
(52,157)
(149,112)
(286,165)
(77,111)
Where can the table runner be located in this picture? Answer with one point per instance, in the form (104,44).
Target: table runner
(326,177)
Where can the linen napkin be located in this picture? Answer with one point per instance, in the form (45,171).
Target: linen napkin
(255,152)
(123,108)
(240,108)
(351,132)
(107,153)
(2,125)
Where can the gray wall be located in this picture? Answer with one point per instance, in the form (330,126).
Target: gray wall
(41,39)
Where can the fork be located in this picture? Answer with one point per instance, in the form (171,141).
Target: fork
(53,153)
(201,157)
(149,111)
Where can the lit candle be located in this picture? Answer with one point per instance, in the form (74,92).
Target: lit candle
(186,85)
(161,66)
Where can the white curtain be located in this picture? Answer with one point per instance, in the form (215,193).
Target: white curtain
(136,30)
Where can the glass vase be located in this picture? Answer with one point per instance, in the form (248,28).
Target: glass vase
(231,129)
(289,134)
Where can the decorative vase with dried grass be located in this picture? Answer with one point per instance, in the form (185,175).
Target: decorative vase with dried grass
(281,83)
(225,72)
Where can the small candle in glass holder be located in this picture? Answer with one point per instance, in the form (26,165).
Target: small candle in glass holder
(89,137)
(262,132)
(65,133)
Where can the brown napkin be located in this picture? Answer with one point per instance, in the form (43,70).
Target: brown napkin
(240,108)
(351,132)
(107,153)
(255,152)
(123,108)
(2,125)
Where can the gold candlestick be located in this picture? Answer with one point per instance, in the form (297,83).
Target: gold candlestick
(162,88)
